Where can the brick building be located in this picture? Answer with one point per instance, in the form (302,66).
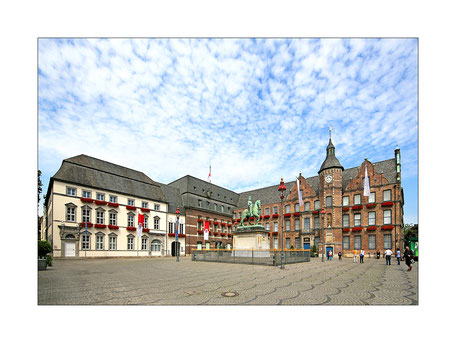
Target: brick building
(352,221)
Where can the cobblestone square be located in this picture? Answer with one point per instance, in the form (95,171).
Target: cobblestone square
(163,281)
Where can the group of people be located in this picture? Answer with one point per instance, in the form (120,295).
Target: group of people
(408,255)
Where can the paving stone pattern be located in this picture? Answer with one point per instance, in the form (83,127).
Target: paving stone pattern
(163,281)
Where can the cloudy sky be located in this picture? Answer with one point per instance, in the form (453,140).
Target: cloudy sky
(255,110)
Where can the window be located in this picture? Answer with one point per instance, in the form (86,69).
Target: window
(100,217)
(156,245)
(387,217)
(287,208)
(71,191)
(387,241)
(215,207)
(297,224)
(100,196)
(71,213)
(146,222)
(297,207)
(317,204)
(316,223)
(345,220)
(372,244)
(112,218)
(266,211)
(208,205)
(112,243)
(297,243)
(208,245)
(131,202)
(222,209)
(144,243)
(131,220)
(306,224)
(86,194)
(275,210)
(157,207)
(357,242)
(307,206)
(345,201)
(387,195)
(170,227)
(371,218)
(328,201)
(276,227)
(181,228)
(357,199)
(199,203)
(239,215)
(276,243)
(86,214)
(267,226)
(100,242)
(357,219)
(157,223)
(372,197)
(113,198)
(317,241)
(287,242)
(85,243)
(346,242)
(130,243)
(287,225)
(144,204)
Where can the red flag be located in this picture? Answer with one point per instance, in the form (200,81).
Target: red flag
(141,219)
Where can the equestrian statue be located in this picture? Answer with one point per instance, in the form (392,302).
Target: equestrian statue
(252,210)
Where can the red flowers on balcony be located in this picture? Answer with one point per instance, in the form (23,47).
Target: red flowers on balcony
(346,229)
(181,235)
(133,208)
(216,233)
(276,215)
(229,225)
(223,224)
(86,199)
(100,202)
(200,232)
(145,209)
(372,205)
(146,230)
(113,204)
(387,227)
(200,220)
(89,224)
(216,223)
(357,228)
(223,234)
(387,204)
(267,216)
(287,215)
(371,228)
(275,233)
(297,214)
(131,228)
(113,227)
(100,226)
(345,209)
(357,207)
(229,235)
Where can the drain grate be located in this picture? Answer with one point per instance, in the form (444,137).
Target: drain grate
(230,294)
(194,292)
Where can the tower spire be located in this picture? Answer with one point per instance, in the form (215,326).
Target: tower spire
(330,129)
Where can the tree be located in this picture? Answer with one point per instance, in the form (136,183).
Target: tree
(410,231)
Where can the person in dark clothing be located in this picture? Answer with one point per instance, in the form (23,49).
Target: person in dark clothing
(340,255)
(408,255)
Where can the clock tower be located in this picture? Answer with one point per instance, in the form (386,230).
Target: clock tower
(330,196)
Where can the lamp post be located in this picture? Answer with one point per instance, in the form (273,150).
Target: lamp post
(282,189)
(176,249)
(322,212)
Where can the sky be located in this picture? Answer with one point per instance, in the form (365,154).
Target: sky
(255,110)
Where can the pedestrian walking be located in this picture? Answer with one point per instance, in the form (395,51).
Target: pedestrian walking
(340,255)
(408,258)
(388,254)
(378,255)
(355,256)
(330,254)
(398,255)
(361,256)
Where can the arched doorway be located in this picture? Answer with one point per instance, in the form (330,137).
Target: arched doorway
(173,248)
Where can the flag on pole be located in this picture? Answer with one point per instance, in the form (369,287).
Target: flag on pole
(86,226)
(301,203)
(209,177)
(206,231)
(140,224)
(366,184)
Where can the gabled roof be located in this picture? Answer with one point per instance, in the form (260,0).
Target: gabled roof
(95,173)
(173,198)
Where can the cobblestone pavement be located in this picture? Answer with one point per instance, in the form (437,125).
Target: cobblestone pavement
(163,281)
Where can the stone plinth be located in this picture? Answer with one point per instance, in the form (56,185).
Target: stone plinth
(251,237)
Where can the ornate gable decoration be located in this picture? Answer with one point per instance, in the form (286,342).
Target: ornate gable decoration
(307,190)
(374,177)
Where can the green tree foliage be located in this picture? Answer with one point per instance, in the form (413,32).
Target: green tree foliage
(410,231)
(44,248)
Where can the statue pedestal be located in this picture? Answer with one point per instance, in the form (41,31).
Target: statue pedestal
(251,237)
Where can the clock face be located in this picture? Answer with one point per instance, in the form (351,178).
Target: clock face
(328,178)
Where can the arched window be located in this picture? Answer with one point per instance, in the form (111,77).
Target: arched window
(155,245)
(70,236)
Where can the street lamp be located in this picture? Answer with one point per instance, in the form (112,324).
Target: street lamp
(282,189)
(176,233)
(322,212)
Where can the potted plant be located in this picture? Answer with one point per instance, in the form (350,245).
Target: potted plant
(44,248)
(313,251)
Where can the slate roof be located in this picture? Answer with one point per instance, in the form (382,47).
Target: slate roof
(95,173)
(174,198)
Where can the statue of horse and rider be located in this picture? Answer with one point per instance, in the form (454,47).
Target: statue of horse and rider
(252,211)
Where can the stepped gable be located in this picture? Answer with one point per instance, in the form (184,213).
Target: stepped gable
(95,173)
(383,172)
(308,190)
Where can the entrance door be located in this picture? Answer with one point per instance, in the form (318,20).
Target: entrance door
(70,249)
(173,248)
(328,249)
(306,246)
